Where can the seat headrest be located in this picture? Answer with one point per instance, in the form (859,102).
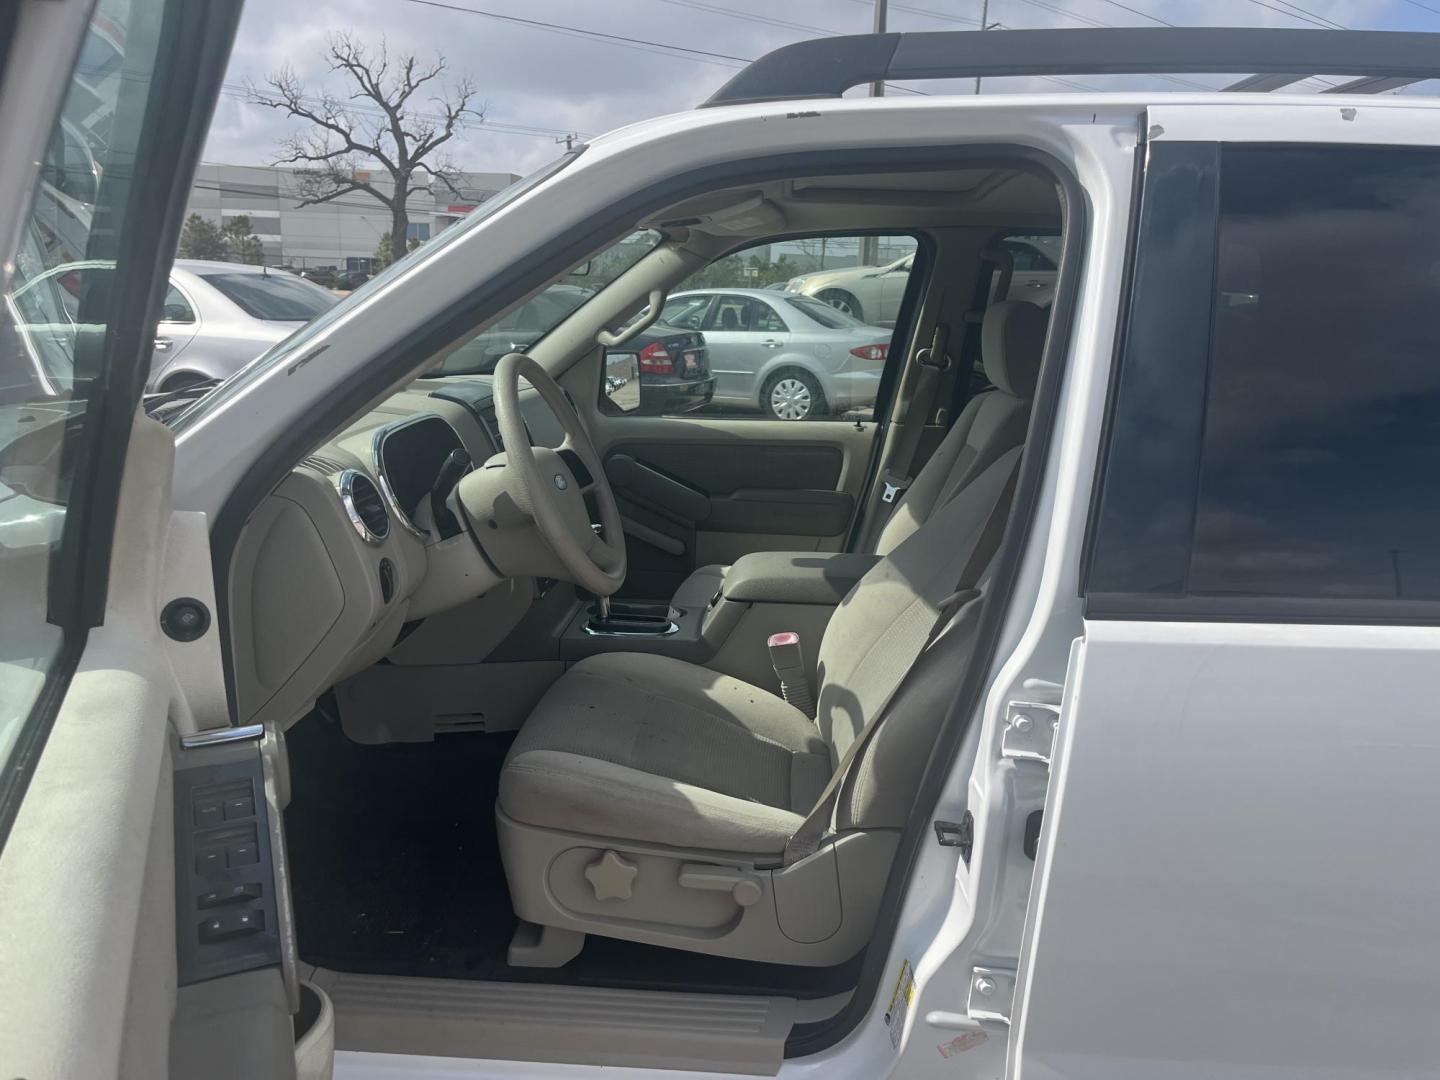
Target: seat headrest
(1012,340)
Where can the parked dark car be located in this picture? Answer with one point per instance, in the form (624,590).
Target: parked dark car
(351,279)
(672,364)
(320,275)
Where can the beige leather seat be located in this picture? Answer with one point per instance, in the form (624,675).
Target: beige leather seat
(650,799)
(1012,339)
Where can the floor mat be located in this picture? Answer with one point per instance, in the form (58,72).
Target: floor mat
(395,870)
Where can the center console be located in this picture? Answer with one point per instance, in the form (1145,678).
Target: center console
(761,594)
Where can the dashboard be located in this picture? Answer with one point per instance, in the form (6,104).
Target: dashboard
(344,557)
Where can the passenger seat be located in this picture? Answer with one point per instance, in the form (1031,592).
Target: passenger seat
(1012,340)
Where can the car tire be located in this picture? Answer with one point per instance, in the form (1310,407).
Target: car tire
(792,394)
(181,380)
(841,300)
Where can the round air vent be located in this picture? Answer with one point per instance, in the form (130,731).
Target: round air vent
(364,506)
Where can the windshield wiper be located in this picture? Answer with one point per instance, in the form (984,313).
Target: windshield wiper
(161,406)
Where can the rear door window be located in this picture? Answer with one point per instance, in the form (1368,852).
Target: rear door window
(274,297)
(1291,456)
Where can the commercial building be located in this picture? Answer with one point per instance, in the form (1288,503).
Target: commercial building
(342,233)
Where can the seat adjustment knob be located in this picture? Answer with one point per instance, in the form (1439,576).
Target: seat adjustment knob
(612,877)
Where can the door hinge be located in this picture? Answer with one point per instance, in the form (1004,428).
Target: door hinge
(992,992)
(958,834)
(1030,730)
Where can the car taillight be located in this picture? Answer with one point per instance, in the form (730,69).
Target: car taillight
(655,359)
(871,352)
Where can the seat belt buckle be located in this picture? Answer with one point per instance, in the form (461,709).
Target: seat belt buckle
(788,661)
(894,487)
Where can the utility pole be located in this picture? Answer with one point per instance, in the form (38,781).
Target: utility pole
(568,140)
(984,25)
(877,88)
(870,245)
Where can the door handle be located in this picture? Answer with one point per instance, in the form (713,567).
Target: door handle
(771,344)
(162,344)
(1034,284)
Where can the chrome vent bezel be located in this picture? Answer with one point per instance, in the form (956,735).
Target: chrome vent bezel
(372,532)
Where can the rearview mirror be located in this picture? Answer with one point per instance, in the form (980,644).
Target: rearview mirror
(622,381)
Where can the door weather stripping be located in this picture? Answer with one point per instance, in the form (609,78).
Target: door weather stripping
(992,991)
(1029,730)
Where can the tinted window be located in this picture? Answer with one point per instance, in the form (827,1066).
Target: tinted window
(1308,458)
(822,313)
(176,308)
(274,297)
(685,312)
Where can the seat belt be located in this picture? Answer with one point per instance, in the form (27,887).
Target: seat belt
(916,402)
(811,833)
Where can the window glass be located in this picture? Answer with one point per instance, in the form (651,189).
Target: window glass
(686,312)
(55,319)
(798,329)
(1311,441)
(273,297)
(526,325)
(177,309)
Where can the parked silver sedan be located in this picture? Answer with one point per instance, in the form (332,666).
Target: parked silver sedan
(790,356)
(216,318)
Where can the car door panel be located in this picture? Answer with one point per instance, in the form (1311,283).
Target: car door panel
(700,490)
(89,938)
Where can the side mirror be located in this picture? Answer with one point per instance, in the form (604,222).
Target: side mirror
(622,381)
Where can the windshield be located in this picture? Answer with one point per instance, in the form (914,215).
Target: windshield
(303,337)
(821,312)
(532,320)
(274,297)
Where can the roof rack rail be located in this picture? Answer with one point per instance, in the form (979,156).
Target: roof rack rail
(827,67)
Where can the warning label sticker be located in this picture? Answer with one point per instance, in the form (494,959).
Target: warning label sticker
(900,1001)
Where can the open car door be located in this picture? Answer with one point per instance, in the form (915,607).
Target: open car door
(109,660)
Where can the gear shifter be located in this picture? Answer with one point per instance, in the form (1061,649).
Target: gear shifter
(455,466)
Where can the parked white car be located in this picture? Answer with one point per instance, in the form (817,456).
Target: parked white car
(867,293)
(791,357)
(874,293)
(216,316)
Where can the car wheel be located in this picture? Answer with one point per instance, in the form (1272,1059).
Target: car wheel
(182,381)
(841,300)
(793,395)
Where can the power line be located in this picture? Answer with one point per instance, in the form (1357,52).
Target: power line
(1137,11)
(1301,15)
(942,16)
(575,31)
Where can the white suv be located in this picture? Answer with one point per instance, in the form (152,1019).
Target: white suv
(1069,721)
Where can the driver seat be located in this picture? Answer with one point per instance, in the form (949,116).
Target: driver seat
(650,799)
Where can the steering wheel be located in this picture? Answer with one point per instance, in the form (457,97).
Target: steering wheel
(547,485)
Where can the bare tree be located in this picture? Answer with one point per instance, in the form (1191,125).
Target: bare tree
(380,125)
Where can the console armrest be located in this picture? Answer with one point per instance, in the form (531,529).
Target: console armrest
(795,577)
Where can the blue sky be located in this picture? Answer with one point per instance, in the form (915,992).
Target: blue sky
(538,83)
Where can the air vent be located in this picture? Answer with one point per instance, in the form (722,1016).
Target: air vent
(364,506)
(324,466)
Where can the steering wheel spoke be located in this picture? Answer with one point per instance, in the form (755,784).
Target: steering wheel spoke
(596,560)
